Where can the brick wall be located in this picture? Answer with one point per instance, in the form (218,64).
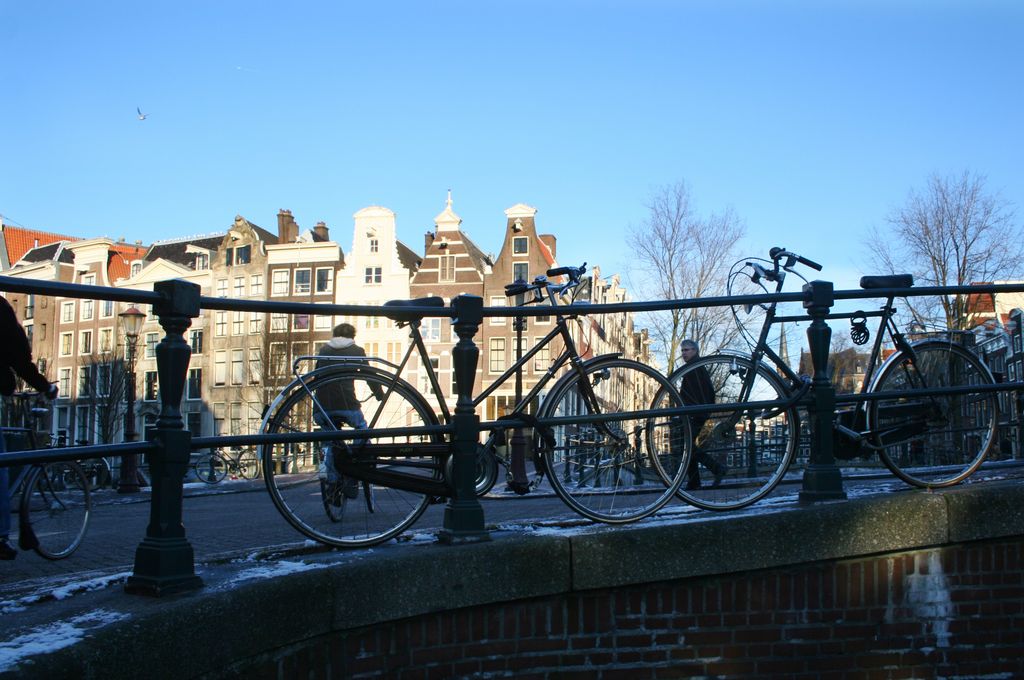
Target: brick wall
(949,612)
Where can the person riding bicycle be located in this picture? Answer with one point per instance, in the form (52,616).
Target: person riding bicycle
(16,359)
(697,389)
(340,402)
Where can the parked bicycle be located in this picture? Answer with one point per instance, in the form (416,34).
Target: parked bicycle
(52,500)
(213,467)
(928,426)
(606,469)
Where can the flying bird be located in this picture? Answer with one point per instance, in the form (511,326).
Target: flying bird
(142,116)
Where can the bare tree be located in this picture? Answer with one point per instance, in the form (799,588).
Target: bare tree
(680,254)
(104,386)
(953,233)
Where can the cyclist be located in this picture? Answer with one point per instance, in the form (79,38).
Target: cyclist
(697,389)
(341,403)
(17,358)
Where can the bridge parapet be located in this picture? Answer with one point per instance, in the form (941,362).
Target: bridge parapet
(911,579)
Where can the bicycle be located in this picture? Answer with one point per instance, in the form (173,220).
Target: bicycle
(614,472)
(55,501)
(214,466)
(922,428)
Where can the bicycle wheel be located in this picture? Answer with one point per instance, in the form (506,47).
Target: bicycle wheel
(613,471)
(248,464)
(324,505)
(211,468)
(745,451)
(933,441)
(56,503)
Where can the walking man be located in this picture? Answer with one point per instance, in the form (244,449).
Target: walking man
(697,389)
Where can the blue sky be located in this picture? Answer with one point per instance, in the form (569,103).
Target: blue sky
(811,120)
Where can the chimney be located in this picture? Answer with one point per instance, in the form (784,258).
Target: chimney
(321,232)
(428,238)
(287,229)
(550,241)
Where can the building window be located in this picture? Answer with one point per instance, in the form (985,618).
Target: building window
(498,301)
(106,340)
(66,341)
(521,271)
(65,382)
(30,306)
(374,245)
(256,285)
(219,415)
(238,323)
(220,326)
(104,379)
(67,312)
(278,323)
(237,366)
(202,262)
(520,245)
(302,281)
(220,367)
(88,307)
(85,342)
(394,352)
(279,285)
(496,356)
(85,381)
(278,359)
(324,280)
(222,287)
(106,309)
(194,423)
(322,323)
(300,322)
(425,386)
(254,323)
(150,389)
(63,414)
(136,268)
(195,384)
(372,275)
(235,422)
(431,329)
(255,366)
(243,254)
(446,264)
(542,359)
(151,341)
(82,425)
(239,286)
(196,341)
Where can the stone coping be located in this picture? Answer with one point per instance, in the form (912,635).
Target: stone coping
(257,603)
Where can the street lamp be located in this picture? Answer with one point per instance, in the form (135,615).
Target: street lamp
(131,322)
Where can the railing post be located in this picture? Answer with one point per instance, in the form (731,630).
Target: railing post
(164,560)
(822,479)
(464,516)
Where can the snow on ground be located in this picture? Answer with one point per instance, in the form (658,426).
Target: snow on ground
(53,636)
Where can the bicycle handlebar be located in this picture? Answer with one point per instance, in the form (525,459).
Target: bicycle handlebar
(777,254)
(541,282)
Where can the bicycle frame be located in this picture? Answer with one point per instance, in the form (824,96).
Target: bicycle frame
(569,355)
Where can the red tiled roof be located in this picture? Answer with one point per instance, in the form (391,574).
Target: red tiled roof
(119,262)
(981,303)
(19,241)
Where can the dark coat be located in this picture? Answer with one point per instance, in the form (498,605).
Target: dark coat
(340,394)
(697,389)
(16,356)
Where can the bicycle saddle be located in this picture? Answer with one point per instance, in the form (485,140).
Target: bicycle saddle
(891,281)
(427,302)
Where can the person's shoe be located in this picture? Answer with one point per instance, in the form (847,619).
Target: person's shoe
(6,551)
(350,487)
